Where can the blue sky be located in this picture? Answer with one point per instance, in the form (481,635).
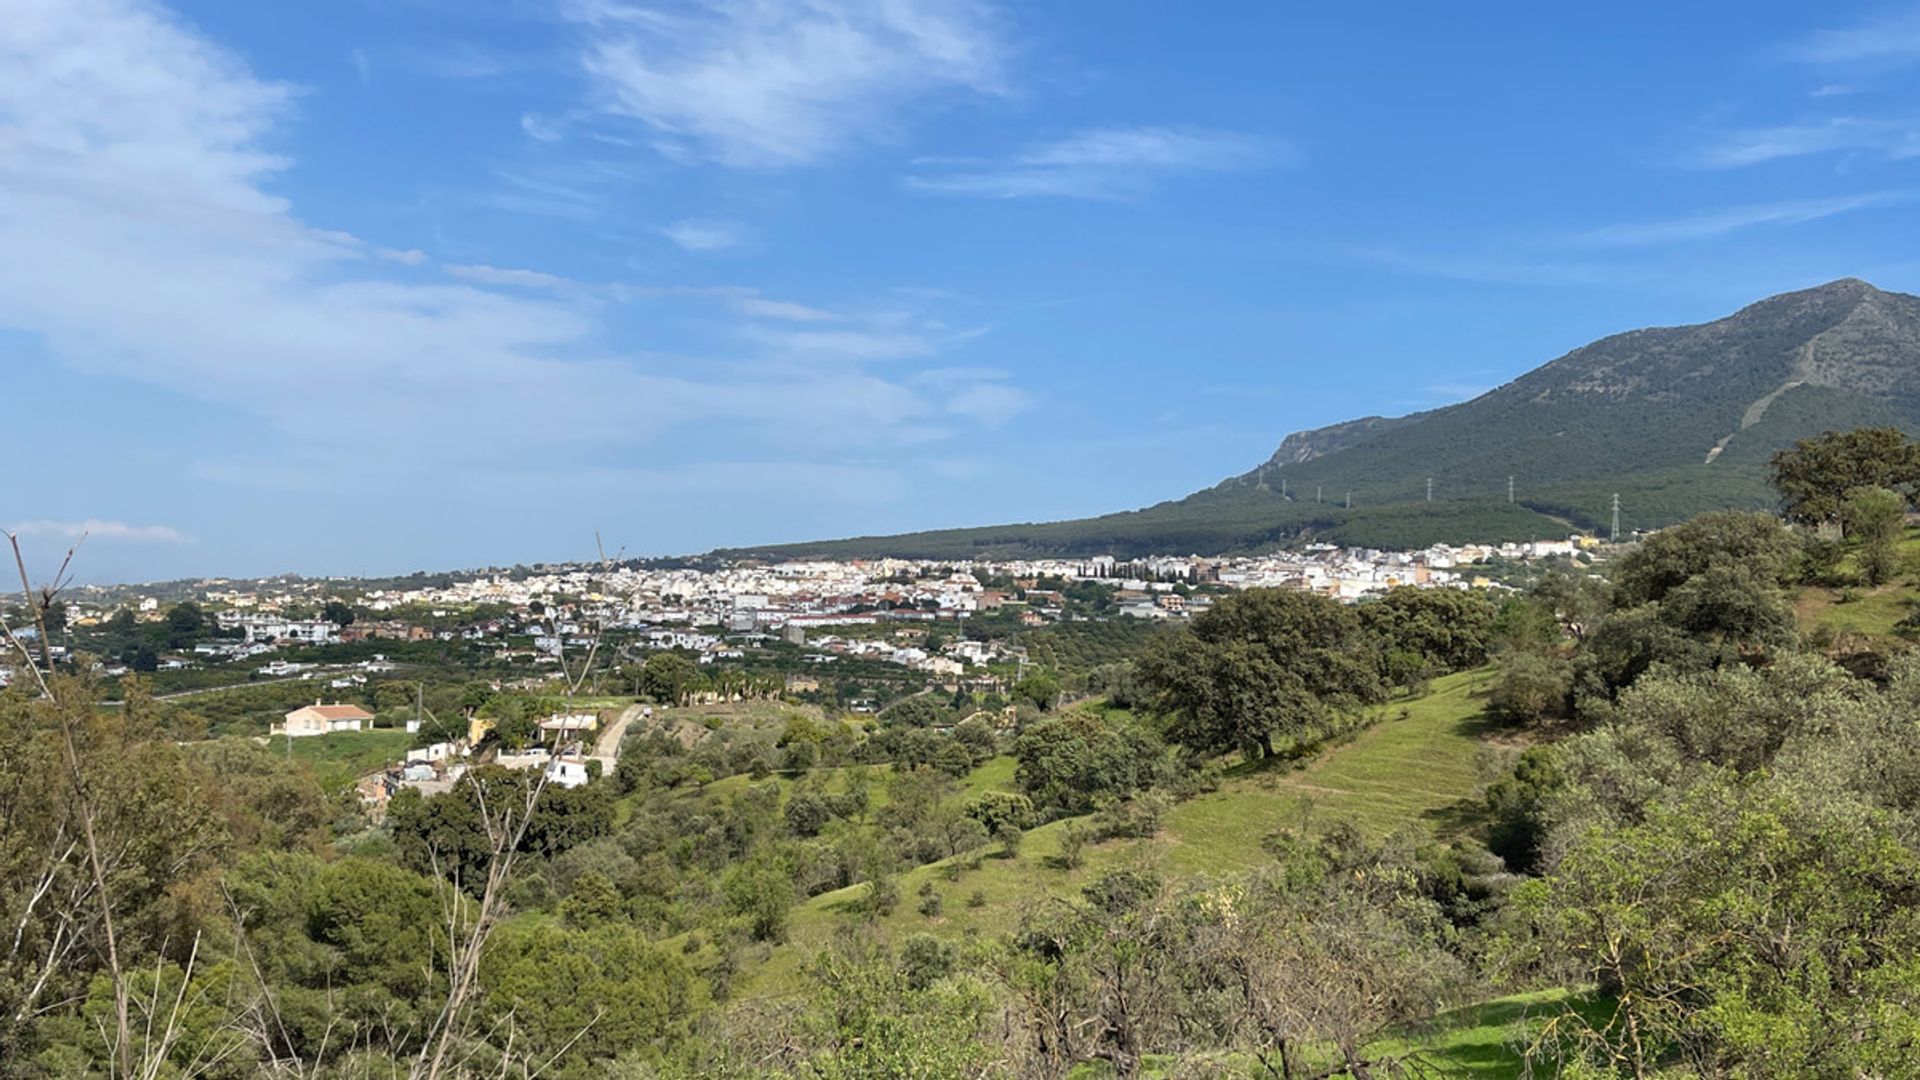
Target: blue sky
(368,286)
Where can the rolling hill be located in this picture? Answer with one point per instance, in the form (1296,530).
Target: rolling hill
(1677,420)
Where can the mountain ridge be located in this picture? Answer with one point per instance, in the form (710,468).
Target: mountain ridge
(1845,337)
(1676,419)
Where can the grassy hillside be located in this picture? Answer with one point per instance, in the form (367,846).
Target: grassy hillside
(1486,1041)
(1479,1042)
(1873,612)
(1870,611)
(341,757)
(1416,766)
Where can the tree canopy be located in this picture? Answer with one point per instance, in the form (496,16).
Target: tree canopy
(1446,629)
(1259,663)
(669,677)
(1874,516)
(1814,476)
(1670,557)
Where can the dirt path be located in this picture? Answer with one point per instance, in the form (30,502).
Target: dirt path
(607,747)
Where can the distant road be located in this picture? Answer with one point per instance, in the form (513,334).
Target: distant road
(316,675)
(607,747)
(229,686)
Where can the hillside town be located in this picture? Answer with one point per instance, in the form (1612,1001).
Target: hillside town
(829,608)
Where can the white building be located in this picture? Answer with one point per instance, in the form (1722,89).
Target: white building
(566,725)
(567,772)
(318,719)
(275,628)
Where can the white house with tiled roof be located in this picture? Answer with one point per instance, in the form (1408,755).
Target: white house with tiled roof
(318,719)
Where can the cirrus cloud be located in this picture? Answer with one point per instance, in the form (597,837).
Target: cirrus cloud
(778,83)
(132,164)
(1891,38)
(1894,139)
(97,528)
(704,236)
(1715,223)
(1099,163)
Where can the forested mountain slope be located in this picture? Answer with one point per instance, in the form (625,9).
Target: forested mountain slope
(1677,420)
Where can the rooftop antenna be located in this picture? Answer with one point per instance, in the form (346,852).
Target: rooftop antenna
(1616,519)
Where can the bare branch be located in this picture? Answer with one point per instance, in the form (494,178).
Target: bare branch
(83,803)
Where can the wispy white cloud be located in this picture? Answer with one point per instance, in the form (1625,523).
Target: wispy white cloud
(1891,37)
(132,168)
(1489,268)
(1100,163)
(955,468)
(988,402)
(862,346)
(1595,256)
(762,308)
(98,529)
(1608,255)
(978,393)
(742,299)
(1857,57)
(705,236)
(1716,223)
(948,378)
(481,274)
(773,83)
(1894,139)
(568,185)
(465,60)
(1461,386)
(542,128)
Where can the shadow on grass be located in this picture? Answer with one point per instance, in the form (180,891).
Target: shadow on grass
(856,901)
(1483,725)
(1455,818)
(1493,1039)
(1288,757)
